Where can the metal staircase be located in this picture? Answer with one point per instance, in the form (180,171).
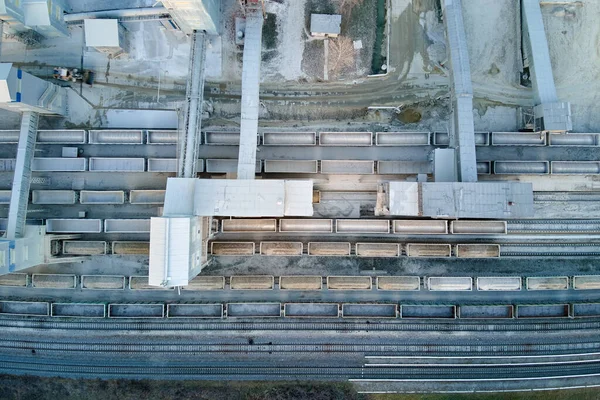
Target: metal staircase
(22,179)
(189,133)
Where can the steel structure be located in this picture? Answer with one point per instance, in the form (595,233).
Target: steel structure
(250,93)
(189,134)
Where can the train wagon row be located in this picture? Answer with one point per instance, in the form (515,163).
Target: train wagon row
(363,226)
(310,282)
(282,138)
(367,249)
(96,136)
(297,310)
(334,167)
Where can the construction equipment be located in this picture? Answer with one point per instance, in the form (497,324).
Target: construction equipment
(73,75)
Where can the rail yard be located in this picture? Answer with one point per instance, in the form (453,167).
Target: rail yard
(301,190)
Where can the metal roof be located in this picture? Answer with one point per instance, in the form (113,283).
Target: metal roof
(173,252)
(36,13)
(494,200)
(250,95)
(238,197)
(325,23)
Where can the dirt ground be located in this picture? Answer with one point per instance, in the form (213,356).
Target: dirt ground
(574,41)
(25,388)
(34,388)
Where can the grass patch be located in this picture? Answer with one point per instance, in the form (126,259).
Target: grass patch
(378,58)
(269,32)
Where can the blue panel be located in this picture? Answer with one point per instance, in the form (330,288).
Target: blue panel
(18,97)
(19,74)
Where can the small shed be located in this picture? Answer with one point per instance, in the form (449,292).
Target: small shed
(325,25)
(105,35)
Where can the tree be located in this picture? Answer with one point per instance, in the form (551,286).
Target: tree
(341,55)
(346,6)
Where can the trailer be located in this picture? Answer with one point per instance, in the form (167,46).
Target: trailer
(518,139)
(404,167)
(248,225)
(378,249)
(161,137)
(301,282)
(349,283)
(467,227)
(575,140)
(428,250)
(105,164)
(147,196)
(289,138)
(129,248)
(162,165)
(232,248)
(306,225)
(5,196)
(9,136)
(53,196)
(102,197)
(420,227)
(70,136)
(521,167)
(292,166)
(59,164)
(127,225)
(478,250)
(575,167)
(328,249)
(281,248)
(402,138)
(67,225)
(84,247)
(399,283)
(362,226)
(227,165)
(346,138)
(112,136)
(348,167)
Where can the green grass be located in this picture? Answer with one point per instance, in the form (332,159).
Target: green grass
(575,394)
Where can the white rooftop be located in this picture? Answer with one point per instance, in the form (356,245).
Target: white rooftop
(493,200)
(101,32)
(36,13)
(237,198)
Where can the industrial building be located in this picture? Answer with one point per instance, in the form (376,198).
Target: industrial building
(212,190)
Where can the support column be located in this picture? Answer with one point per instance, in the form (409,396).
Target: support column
(250,94)
(462,132)
(550,114)
(20,188)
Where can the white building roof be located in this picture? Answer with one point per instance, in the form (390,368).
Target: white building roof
(36,13)
(493,200)
(325,24)
(101,32)
(404,198)
(237,198)
(496,200)
(5,69)
(170,256)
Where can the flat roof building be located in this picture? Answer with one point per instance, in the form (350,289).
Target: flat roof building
(105,35)
(325,25)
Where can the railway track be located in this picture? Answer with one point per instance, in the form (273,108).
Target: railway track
(388,326)
(550,249)
(166,370)
(387,349)
(558,226)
